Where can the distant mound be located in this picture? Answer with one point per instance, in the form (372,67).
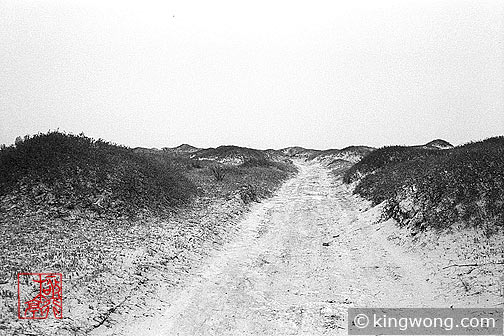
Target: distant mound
(231,155)
(184,148)
(143,150)
(437,144)
(275,155)
(351,154)
(57,173)
(436,188)
(358,150)
(298,152)
(324,154)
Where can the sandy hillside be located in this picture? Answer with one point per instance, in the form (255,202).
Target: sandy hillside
(297,262)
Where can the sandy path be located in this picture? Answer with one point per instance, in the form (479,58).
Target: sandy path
(300,259)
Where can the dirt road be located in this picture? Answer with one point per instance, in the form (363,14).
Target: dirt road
(299,260)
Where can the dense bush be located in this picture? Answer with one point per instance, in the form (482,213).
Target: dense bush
(436,188)
(69,171)
(386,156)
(218,172)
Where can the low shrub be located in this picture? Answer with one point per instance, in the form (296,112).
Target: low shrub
(218,172)
(248,193)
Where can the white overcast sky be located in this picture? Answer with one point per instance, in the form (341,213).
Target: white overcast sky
(321,74)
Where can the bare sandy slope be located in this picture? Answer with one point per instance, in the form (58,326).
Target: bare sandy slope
(299,260)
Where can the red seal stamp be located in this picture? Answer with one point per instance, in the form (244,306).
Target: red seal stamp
(40,295)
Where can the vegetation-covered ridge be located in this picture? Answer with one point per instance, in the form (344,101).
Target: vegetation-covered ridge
(61,172)
(424,187)
(58,174)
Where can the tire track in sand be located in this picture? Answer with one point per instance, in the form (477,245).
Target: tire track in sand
(300,259)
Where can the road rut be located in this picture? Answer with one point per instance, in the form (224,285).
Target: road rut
(299,260)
